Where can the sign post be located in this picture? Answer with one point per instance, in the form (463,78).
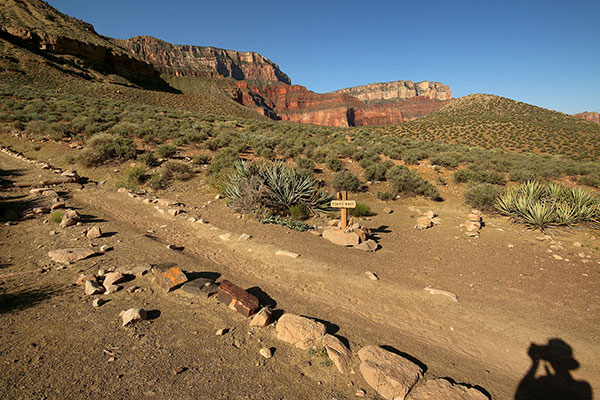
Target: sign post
(344,204)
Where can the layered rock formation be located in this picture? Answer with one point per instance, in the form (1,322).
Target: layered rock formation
(398,90)
(590,116)
(183,60)
(35,25)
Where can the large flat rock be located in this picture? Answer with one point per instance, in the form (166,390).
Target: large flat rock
(441,389)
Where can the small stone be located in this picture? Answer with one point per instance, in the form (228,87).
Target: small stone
(286,253)
(166,202)
(315,233)
(244,237)
(262,318)
(133,315)
(113,278)
(360,393)
(511,246)
(371,276)
(57,205)
(41,210)
(557,257)
(112,288)
(266,352)
(474,217)
(436,220)
(104,248)
(69,218)
(471,226)
(122,190)
(68,256)
(97,302)
(442,292)
(430,214)
(100,272)
(222,332)
(92,287)
(83,278)
(577,244)
(174,211)
(133,289)
(225,237)
(201,287)
(423,223)
(52,233)
(388,210)
(93,233)
(141,270)
(217,197)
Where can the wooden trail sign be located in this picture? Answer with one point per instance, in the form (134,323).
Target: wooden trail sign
(343,203)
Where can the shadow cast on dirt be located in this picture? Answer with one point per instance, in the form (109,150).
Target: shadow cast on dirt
(263,298)
(556,360)
(12,208)
(24,299)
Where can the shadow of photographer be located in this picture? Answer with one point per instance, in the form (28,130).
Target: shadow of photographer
(549,377)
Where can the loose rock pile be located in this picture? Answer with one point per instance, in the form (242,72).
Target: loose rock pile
(473,224)
(355,235)
(428,220)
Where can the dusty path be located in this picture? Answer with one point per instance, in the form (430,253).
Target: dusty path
(508,297)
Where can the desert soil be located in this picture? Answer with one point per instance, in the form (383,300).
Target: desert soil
(511,292)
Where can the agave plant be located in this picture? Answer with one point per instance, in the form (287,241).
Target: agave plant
(539,215)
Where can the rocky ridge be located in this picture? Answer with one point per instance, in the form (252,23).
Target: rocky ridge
(593,116)
(398,90)
(197,61)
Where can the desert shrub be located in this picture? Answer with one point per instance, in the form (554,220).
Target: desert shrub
(385,196)
(346,181)
(365,163)
(159,181)
(446,159)
(305,163)
(134,177)
(335,164)
(376,172)
(104,147)
(289,223)
(298,212)
(522,175)
(361,210)
(482,195)
(403,180)
(56,217)
(591,179)
(201,159)
(221,165)
(177,170)
(149,159)
(413,156)
(166,150)
(477,175)
(540,205)
(275,187)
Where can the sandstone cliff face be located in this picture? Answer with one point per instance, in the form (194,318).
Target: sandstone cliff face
(398,90)
(37,26)
(177,60)
(590,116)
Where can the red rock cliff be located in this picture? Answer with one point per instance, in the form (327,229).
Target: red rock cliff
(590,116)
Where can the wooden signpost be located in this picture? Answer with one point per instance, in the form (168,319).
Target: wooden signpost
(344,204)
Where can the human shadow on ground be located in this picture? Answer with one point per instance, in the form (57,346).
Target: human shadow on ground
(415,360)
(17,301)
(87,218)
(376,232)
(549,377)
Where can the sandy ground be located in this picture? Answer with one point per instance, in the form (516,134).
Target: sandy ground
(511,292)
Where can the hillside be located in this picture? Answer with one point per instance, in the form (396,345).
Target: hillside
(491,122)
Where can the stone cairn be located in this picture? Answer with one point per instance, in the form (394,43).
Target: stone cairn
(355,235)
(473,224)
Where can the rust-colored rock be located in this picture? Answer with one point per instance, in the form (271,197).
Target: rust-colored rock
(169,277)
(237,298)
(592,116)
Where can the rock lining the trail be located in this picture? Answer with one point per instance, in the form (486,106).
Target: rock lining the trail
(302,332)
(69,256)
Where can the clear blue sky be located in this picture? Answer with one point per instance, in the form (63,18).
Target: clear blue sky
(545,53)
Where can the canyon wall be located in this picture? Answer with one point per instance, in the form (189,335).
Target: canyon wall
(589,115)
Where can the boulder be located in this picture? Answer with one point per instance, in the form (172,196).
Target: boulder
(471,226)
(423,223)
(390,374)
(68,256)
(368,245)
(69,218)
(341,238)
(301,331)
(113,278)
(237,299)
(93,233)
(133,315)
(441,389)
(266,352)
(169,277)
(337,351)
(92,287)
(262,318)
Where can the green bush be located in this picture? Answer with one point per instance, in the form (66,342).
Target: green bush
(166,150)
(591,179)
(134,177)
(305,164)
(104,147)
(376,172)
(361,210)
(385,196)
(201,159)
(254,188)
(482,195)
(159,181)
(346,181)
(335,164)
(540,205)
(403,180)
(476,175)
(177,170)
(298,212)
(56,217)
(149,159)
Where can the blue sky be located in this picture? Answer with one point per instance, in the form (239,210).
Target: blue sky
(545,53)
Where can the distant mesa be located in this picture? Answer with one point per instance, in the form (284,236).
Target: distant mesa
(593,116)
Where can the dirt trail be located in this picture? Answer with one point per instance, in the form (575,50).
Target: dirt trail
(509,297)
